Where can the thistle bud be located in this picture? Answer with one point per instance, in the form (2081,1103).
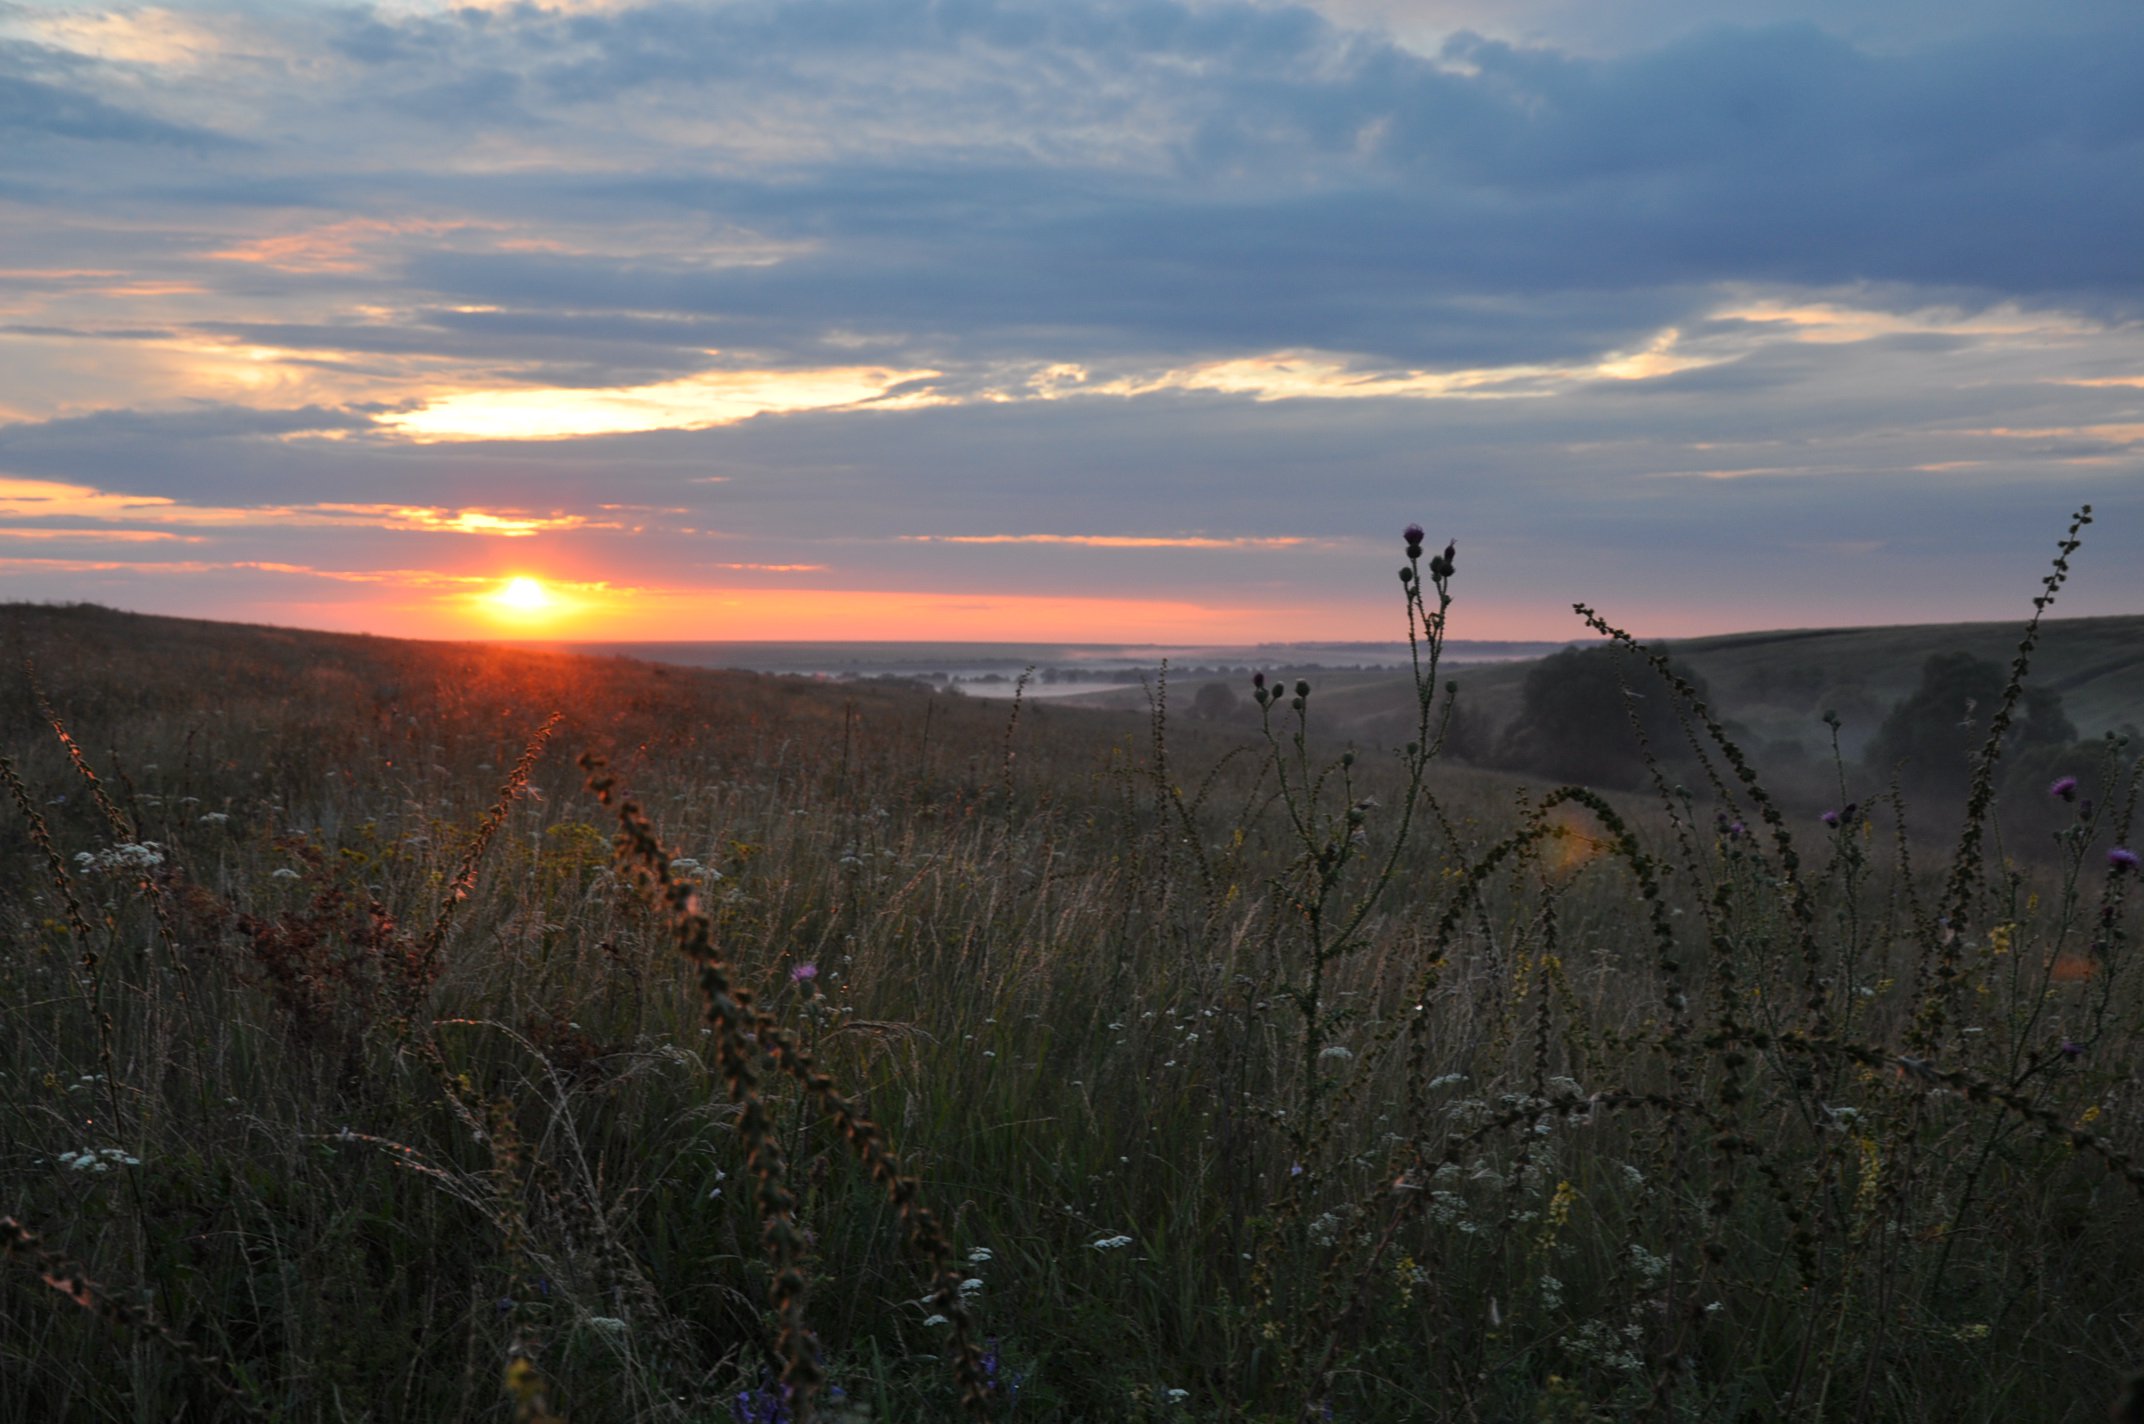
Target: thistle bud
(1302,689)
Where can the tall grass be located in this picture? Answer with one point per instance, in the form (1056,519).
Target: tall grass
(360,1057)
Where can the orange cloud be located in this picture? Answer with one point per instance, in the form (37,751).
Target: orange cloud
(335,247)
(1324,375)
(2119,434)
(460,521)
(52,499)
(1111,541)
(103,536)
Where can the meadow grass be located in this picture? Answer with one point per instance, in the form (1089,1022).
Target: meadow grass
(855,1052)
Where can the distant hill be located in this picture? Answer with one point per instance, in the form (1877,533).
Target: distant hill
(1778,684)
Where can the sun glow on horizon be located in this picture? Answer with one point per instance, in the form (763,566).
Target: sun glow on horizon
(522,597)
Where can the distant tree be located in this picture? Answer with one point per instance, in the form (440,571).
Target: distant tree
(1934,734)
(1214,702)
(1576,714)
(1469,736)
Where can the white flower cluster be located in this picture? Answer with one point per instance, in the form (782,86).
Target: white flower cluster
(1110,1243)
(126,859)
(1599,1343)
(97,1159)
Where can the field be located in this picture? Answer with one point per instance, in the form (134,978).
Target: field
(421,1031)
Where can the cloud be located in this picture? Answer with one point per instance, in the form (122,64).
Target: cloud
(1113,541)
(695,403)
(795,279)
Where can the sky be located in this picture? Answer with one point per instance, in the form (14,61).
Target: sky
(1069,321)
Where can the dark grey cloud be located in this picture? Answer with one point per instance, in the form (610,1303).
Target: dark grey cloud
(1308,186)
(31,109)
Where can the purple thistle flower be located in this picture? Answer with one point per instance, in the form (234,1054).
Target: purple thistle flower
(2071,1049)
(2064,787)
(2121,858)
(1831,818)
(1413,535)
(803,972)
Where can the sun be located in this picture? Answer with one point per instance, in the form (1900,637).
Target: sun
(523,597)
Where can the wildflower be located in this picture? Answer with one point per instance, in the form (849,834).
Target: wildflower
(2071,1049)
(1413,535)
(608,1324)
(2064,787)
(1110,1243)
(1176,1396)
(2121,858)
(930,1320)
(762,1406)
(1441,566)
(1336,1051)
(1831,818)
(803,972)
(122,859)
